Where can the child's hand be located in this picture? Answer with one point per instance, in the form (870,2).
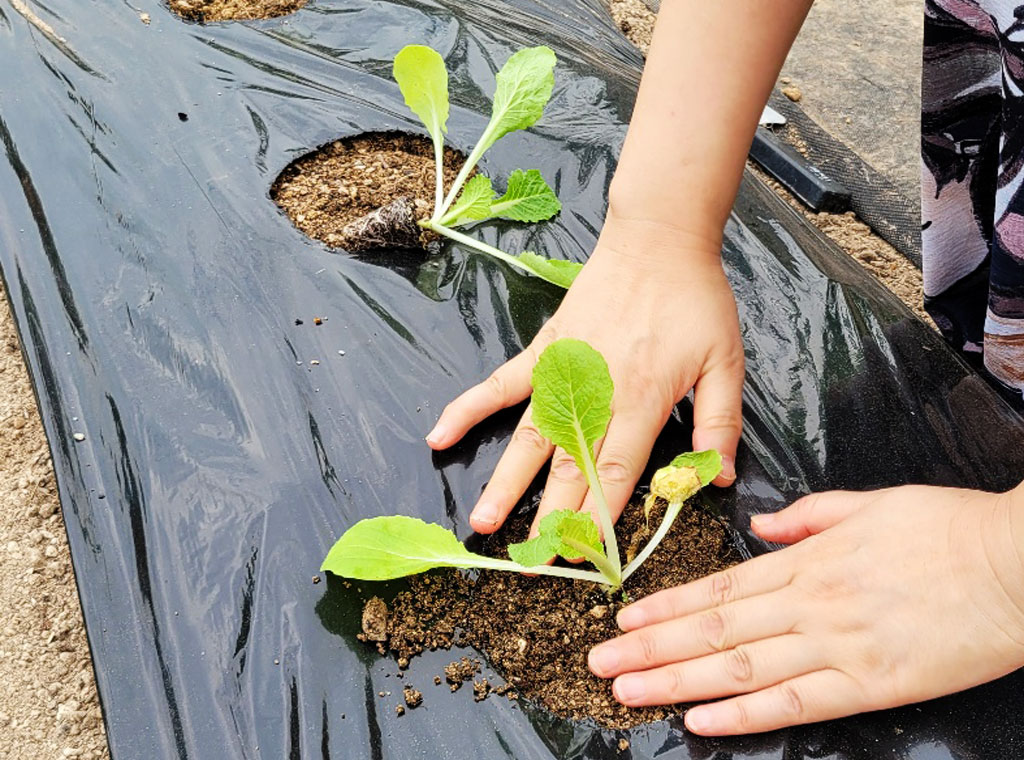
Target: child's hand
(660,310)
(885,598)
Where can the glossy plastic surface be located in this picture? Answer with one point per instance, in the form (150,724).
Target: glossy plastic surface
(156,288)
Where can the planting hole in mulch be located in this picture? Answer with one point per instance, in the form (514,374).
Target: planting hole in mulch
(365,192)
(233,10)
(536,632)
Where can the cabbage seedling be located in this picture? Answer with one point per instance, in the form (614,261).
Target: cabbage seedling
(572,395)
(523,88)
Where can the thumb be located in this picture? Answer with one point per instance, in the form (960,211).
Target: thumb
(717,417)
(810,515)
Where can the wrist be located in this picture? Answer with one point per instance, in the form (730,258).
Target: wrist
(659,241)
(1009,521)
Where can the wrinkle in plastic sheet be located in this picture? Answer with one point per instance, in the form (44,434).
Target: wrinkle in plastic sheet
(156,286)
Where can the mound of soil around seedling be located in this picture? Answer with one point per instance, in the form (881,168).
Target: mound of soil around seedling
(537,632)
(233,10)
(365,192)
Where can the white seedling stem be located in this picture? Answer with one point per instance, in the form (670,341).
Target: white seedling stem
(596,559)
(666,522)
(478,151)
(439,173)
(458,237)
(604,514)
(515,567)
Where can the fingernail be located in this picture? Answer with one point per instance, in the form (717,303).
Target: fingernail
(630,688)
(437,435)
(603,659)
(485,514)
(697,720)
(630,618)
(762,521)
(728,468)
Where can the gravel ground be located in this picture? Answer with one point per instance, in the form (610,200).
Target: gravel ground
(49,706)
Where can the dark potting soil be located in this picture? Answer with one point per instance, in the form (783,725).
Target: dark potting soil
(337,193)
(536,632)
(233,10)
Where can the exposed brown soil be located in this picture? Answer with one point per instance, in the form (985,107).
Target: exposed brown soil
(635,20)
(233,10)
(854,237)
(339,193)
(536,632)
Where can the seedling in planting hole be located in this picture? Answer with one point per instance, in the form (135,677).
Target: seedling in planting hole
(572,395)
(523,88)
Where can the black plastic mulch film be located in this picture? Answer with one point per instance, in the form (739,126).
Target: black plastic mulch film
(156,288)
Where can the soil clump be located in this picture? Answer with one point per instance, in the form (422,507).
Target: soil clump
(233,10)
(536,632)
(365,192)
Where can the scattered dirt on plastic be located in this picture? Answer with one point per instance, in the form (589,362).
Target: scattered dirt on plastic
(366,191)
(375,620)
(413,697)
(458,672)
(48,706)
(233,10)
(536,632)
(792,92)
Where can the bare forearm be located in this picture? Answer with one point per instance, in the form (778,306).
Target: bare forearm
(710,69)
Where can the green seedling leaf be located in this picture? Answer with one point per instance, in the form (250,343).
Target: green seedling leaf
(383,548)
(553,532)
(538,550)
(707,463)
(473,204)
(524,87)
(572,397)
(575,529)
(423,80)
(556,271)
(527,199)
(572,404)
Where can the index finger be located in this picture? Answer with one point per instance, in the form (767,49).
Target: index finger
(507,386)
(760,575)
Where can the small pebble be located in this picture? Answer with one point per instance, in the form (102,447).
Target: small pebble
(793,93)
(399,711)
(623,745)
(315,362)
(79,436)
(144,18)
(316,579)
(341,353)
